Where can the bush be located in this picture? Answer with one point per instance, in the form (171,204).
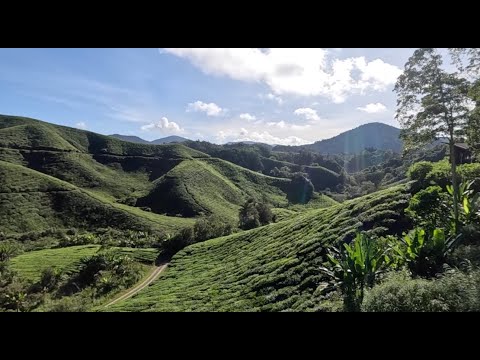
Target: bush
(426,209)
(419,171)
(300,190)
(456,291)
(211,227)
(253,214)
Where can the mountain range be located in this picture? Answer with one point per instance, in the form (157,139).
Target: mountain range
(138,140)
(372,135)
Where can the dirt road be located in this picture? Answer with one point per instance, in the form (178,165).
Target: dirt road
(153,276)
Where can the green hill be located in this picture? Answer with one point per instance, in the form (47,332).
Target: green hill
(32,201)
(211,186)
(272,268)
(102,181)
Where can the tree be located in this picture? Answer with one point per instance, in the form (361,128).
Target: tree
(253,214)
(467,61)
(300,189)
(432,103)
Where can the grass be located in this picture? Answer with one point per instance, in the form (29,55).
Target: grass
(32,201)
(272,268)
(211,186)
(31,264)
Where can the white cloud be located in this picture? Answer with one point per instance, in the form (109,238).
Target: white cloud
(81,125)
(272,97)
(283,125)
(164,125)
(373,108)
(305,72)
(309,114)
(211,109)
(247,117)
(258,136)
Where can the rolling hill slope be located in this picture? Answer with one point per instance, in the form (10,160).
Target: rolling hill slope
(211,186)
(272,268)
(103,181)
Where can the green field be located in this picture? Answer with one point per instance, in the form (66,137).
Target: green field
(271,268)
(31,264)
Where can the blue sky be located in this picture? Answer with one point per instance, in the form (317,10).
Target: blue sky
(282,96)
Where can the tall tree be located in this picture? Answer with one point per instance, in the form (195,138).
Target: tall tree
(467,61)
(432,103)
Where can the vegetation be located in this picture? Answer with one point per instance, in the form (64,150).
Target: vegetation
(438,100)
(270,268)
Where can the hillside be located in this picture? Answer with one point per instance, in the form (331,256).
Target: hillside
(210,186)
(32,201)
(272,268)
(130,138)
(138,140)
(100,181)
(373,135)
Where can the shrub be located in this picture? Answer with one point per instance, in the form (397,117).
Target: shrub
(419,171)
(355,267)
(253,214)
(456,291)
(300,190)
(426,207)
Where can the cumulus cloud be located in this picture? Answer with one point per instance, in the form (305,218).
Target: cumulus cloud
(272,97)
(164,125)
(258,136)
(279,124)
(309,114)
(373,108)
(283,125)
(211,109)
(305,72)
(81,125)
(247,117)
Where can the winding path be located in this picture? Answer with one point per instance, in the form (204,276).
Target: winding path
(152,277)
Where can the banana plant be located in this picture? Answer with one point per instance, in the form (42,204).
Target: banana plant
(355,267)
(423,252)
(469,203)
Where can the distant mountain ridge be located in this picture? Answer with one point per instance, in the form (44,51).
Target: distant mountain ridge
(372,135)
(138,140)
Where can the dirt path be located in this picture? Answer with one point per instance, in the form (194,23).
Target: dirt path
(153,276)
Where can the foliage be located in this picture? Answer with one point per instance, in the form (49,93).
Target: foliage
(432,103)
(355,268)
(253,214)
(427,207)
(300,190)
(270,268)
(453,292)
(104,272)
(424,252)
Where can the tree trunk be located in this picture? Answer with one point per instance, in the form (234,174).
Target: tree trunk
(453,165)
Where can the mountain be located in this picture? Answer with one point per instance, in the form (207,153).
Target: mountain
(169,139)
(373,135)
(138,140)
(130,138)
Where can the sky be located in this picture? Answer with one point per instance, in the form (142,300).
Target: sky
(277,96)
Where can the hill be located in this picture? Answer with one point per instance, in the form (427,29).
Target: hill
(207,186)
(373,135)
(169,139)
(272,268)
(130,138)
(94,181)
(138,140)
